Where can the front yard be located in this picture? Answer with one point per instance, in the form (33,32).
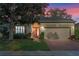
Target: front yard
(28,44)
(23,45)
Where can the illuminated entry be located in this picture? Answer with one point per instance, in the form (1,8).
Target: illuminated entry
(35,30)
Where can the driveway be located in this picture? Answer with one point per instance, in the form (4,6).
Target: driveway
(63,45)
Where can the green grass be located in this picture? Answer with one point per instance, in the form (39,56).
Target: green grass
(77,33)
(23,45)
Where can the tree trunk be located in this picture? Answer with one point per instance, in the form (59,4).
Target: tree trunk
(11,32)
(11,26)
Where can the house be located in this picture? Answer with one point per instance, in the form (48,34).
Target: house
(55,29)
(77,25)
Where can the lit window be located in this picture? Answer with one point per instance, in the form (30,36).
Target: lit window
(19,29)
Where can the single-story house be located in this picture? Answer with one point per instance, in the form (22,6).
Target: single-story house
(55,29)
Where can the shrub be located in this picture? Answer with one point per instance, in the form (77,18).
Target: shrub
(77,33)
(42,35)
(72,37)
(28,35)
(19,36)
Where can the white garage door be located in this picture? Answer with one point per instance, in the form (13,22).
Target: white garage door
(57,33)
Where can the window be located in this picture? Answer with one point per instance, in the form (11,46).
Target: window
(19,29)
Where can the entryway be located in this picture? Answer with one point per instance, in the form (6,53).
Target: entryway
(35,30)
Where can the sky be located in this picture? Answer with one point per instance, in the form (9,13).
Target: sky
(71,8)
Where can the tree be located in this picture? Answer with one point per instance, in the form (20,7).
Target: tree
(22,13)
(60,14)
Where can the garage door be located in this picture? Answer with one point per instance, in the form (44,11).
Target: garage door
(57,33)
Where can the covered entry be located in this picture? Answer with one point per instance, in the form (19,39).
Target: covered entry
(35,30)
(57,33)
(54,29)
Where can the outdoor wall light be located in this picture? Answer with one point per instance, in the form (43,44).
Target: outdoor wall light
(72,27)
(42,28)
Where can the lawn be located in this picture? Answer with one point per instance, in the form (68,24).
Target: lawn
(23,45)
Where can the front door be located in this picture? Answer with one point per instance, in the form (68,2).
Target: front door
(35,30)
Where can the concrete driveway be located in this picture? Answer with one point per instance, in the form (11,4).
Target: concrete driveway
(63,45)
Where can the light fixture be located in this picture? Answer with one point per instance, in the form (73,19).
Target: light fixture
(72,27)
(42,28)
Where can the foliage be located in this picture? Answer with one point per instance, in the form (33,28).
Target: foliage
(77,33)
(19,36)
(28,35)
(42,36)
(23,13)
(60,14)
(72,37)
(23,45)
(22,36)
(76,36)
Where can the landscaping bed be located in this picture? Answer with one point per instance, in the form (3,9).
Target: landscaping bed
(75,36)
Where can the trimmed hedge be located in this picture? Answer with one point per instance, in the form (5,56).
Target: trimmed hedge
(22,36)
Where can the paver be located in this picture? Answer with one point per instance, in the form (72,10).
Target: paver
(63,44)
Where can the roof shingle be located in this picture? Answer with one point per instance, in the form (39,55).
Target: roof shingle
(51,20)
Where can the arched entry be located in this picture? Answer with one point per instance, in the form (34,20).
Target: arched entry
(35,30)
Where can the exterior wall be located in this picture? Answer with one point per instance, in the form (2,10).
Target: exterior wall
(57,33)
(58,25)
(28,28)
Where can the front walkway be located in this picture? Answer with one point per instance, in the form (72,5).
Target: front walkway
(63,45)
